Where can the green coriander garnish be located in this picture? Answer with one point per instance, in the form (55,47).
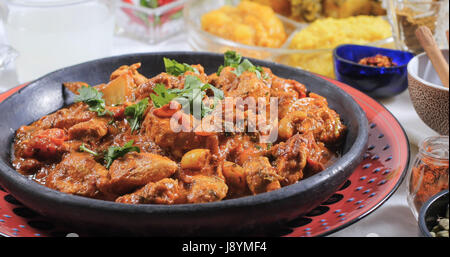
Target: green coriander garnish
(135,114)
(115,152)
(246,65)
(83,148)
(93,98)
(231,59)
(234,60)
(191,95)
(176,69)
(163,96)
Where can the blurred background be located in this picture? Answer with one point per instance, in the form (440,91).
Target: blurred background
(37,37)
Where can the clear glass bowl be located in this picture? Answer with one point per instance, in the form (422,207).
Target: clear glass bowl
(7,55)
(319,61)
(52,34)
(151,25)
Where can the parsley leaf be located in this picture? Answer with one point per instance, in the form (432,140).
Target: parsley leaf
(115,152)
(191,95)
(83,148)
(233,59)
(135,114)
(246,65)
(93,98)
(175,68)
(162,96)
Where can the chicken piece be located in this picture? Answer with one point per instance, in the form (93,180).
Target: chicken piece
(46,144)
(287,127)
(138,169)
(47,133)
(235,179)
(291,158)
(160,131)
(239,148)
(169,81)
(205,189)
(322,121)
(89,131)
(27,166)
(165,191)
(68,117)
(298,157)
(75,86)
(38,143)
(79,174)
(261,176)
(318,157)
(287,87)
(246,85)
(143,142)
(287,92)
(63,119)
(146,89)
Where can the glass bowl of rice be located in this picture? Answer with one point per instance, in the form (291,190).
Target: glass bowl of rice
(307,46)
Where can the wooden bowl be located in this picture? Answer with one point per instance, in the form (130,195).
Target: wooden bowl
(428,95)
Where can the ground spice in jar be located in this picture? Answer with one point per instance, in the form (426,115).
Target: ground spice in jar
(409,21)
(428,179)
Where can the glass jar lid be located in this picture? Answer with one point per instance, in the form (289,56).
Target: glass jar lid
(435,147)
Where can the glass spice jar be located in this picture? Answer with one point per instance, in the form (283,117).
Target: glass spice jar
(428,174)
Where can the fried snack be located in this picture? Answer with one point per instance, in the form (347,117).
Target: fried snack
(248,23)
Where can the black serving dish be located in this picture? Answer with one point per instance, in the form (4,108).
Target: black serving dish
(434,208)
(229,217)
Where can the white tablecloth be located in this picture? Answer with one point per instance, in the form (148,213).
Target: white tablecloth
(392,219)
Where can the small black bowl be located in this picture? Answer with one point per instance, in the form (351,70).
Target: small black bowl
(47,95)
(434,208)
(377,82)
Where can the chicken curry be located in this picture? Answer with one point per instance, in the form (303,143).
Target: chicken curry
(117,142)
